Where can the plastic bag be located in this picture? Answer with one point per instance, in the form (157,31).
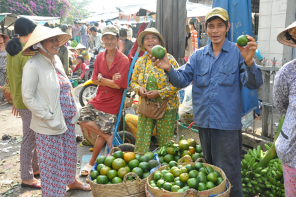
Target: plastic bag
(7,94)
(186,106)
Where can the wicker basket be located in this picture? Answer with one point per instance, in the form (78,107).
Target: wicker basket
(188,131)
(135,188)
(193,192)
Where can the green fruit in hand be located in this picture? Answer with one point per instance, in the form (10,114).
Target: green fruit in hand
(158,52)
(242,40)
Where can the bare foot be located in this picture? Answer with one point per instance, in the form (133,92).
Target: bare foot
(26,194)
(79,185)
(30,182)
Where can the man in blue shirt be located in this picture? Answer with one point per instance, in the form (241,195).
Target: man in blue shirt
(218,71)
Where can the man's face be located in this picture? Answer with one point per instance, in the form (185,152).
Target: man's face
(110,41)
(93,33)
(217,30)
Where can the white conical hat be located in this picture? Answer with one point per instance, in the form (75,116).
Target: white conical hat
(41,33)
(80,46)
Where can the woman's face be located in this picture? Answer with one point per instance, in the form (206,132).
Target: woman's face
(51,45)
(78,50)
(79,61)
(150,40)
(24,39)
(1,40)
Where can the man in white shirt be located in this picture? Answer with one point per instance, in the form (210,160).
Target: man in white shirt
(96,37)
(102,25)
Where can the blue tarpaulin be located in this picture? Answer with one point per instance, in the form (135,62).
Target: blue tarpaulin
(240,17)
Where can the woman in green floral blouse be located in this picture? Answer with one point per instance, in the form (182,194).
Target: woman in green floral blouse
(143,70)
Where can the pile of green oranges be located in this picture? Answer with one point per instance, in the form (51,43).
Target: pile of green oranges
(112,169)
(179,178)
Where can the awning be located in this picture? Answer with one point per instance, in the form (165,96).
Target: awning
(197,9)
(131,9)
(7,19)
(104,16)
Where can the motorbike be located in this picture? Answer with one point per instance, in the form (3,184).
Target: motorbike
(93,54)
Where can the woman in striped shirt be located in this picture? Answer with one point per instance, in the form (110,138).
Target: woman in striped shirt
(194,35)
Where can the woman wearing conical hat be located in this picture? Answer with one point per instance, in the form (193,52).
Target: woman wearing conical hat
(46,91)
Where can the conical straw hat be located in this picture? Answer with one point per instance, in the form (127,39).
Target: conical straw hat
(80,46)
(6,37)
(287,36)
(41,33)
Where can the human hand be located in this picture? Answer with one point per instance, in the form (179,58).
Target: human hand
(142,92)
(163,63)
(248,51)
(116,76)
(153,94)
(100,75)
(14,111)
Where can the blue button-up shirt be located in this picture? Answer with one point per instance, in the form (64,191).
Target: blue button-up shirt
(217,85)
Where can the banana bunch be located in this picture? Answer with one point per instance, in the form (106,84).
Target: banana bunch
(252,181)
(275,181)
(259,177)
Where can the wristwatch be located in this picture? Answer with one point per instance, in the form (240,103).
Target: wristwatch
(100,77)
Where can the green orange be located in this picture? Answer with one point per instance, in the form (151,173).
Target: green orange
(122,172)
(184,145)
(102,179)
(108,161)
(242,40)
(101,159)
(111,174)
(118,163)
(158,52)
(104,170)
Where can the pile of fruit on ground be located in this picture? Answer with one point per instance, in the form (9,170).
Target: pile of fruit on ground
(112,169)
(173,152)
(262,172)
(179,178)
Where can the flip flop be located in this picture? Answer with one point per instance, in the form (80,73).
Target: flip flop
(36,185)
(86,168)
(86,187)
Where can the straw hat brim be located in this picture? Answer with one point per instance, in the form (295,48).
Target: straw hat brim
(291,29)
(80,46)
(6,37)
(42,33)
(147,31)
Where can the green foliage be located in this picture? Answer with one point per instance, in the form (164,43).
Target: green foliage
(74,43)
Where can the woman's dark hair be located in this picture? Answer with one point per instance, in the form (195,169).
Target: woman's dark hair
(80,57)
(3,37)
(122,33)
(187,37)
(96,24)
(22,27)
(191,22)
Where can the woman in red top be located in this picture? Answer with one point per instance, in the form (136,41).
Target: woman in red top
(194,35)
(80,67)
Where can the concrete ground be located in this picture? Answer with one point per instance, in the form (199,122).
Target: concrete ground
(9,161)
(9,153)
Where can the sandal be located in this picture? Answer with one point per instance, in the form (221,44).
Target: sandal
(87,168)
(85,187)
(36,185)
